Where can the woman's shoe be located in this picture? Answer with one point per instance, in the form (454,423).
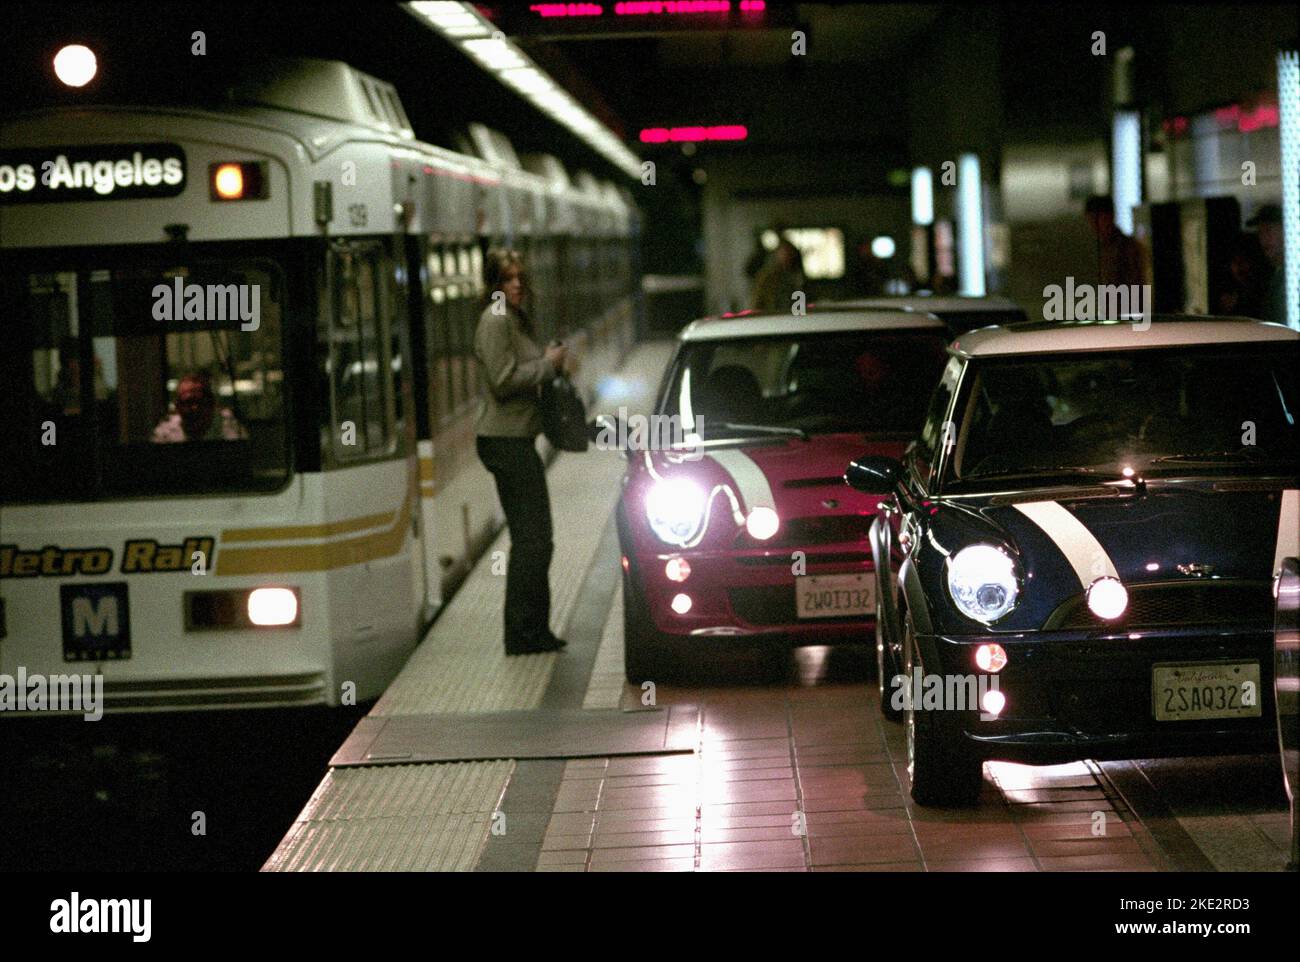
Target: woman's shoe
(536,647)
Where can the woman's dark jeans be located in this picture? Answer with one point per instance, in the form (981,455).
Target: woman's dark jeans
(521,487)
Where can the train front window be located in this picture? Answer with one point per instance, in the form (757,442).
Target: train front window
(141,380)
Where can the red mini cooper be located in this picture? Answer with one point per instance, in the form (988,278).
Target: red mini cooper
(735,524)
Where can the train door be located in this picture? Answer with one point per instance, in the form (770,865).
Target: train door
(368,488)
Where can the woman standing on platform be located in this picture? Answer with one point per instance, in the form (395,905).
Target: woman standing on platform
(514,369)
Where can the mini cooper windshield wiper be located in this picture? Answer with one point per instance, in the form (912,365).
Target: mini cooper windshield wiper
(763,429)
(1223,457)
(1074,474)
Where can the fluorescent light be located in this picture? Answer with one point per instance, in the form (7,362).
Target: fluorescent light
(529,80)
(1126,167)
(970,227)
(464,26)
(494,53)
(453,19)
(922,197)
(1288,95)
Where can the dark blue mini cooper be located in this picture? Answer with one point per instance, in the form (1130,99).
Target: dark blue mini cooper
(1076,558)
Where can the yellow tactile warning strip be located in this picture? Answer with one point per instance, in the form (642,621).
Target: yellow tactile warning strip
(605,688)
(405,818)
(461,666)
(803,778)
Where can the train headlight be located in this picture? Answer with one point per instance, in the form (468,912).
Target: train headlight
(983,583)
(228,182)
(237,180)
(75,65)
(272,606)
(675,509)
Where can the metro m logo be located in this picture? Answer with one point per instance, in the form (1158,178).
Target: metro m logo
(96,621)
(96,618)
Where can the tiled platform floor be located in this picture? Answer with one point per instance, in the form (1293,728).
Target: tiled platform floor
(795,770)
(795,778)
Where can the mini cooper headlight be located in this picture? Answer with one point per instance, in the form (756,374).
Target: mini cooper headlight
(675,510)
(983,583)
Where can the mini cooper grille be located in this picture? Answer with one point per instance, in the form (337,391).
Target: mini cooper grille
(818,529)
(813,558)
(1177,606)
(771,606)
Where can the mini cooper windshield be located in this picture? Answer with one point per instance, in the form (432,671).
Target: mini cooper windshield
(1144,413)
(796,385)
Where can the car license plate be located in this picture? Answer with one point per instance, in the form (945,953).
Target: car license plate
(1216,689)
(835,596)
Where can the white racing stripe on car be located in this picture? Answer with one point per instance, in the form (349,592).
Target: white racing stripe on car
(1288,529)
(749,477)
(1084,552)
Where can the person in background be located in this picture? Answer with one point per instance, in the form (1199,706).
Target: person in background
(754,263)
(1248,269)
(1268,228)
(514,368)
(777,282)
(195,415)
(1119,257)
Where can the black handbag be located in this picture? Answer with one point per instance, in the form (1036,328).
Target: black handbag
(564,416)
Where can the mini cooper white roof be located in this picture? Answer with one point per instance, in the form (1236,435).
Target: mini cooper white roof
(751,324)
(942,304)
(1167,330)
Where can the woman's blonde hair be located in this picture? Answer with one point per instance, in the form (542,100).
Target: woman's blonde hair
(497,264)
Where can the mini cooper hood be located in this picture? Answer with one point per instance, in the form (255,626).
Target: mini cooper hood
(1175,531)
(794,476)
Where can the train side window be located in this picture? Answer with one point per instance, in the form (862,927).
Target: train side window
(361,382)
(470,307)
(455,346)
(440,358)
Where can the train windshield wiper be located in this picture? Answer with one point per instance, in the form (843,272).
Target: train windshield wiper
(799,433)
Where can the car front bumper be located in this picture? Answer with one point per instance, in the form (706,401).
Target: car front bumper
(1072,695)
(748,594)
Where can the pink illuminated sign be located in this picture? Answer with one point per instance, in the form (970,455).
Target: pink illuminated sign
(682,135)
(549,10)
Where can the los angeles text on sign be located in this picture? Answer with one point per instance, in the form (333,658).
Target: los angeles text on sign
(91,172)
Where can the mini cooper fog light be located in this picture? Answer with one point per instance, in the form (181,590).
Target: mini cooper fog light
(993,702)
(272,606)
(762,523)
(991,658)
(1107,598)
(677,569)
(681,604)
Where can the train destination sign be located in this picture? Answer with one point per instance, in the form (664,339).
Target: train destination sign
(91,172)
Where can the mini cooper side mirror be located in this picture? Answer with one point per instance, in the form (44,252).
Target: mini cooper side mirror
(873,474)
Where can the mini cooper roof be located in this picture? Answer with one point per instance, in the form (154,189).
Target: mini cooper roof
(753,324)
(941,304)
(1166,330)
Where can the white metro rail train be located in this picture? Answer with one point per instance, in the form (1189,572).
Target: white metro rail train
(236,454)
